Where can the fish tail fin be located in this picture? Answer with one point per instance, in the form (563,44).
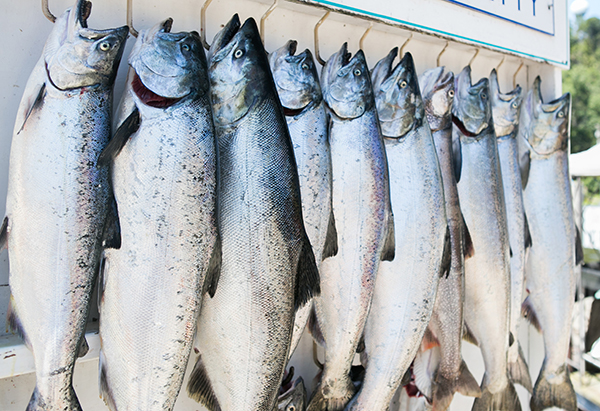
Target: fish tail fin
(444,388)
(518,371)
(68,400)
(557,392)
(322,402)
(506,400)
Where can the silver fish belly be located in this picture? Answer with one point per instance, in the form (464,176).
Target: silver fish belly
(59,198)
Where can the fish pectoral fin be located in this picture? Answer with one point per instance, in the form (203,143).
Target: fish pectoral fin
(510,253)
(13,323)
(200,389)
(307,275)
(456,157)
(468,249)
(116,144)
(528,241)
(528,312)
(31,106)
(214,270)
(524,165)
(111,236)
(84,347)
(315,328)
(4,234)
(468,335)
(578,247)
(446,255)
(331,241)
(389,247)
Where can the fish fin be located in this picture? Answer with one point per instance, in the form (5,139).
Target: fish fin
(389,247)
(65,396)
(518,371)
(524,165)
(200,389)
(29,108)
(468,335)
(307,275)
(105,391)
(468,249)
(456,157)
(424,366)
(528,312)
(214,269)
(406,377)
(547,394)
(111,236)
(4,234)
(444,388)
(506,399)
(13,323)
(361,344)
(511,339)
(320,402)
(429,341)
(84,347)
(578,247)
(331,240)
(118,141)
(315,328)
(528,241)
(446,255)
(510,253)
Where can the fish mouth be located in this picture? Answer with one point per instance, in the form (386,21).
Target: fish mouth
(225,36)
(150,98)
(556,104)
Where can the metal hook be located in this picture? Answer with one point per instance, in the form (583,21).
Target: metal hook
(264,17)
(501,63)
(401,51)
(133,31)
(362,39)
(517,72)
(437,61)
(317,55)
(46,11)
(203,24)
(473,58)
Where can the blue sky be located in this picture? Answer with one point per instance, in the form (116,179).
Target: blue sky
(593,10)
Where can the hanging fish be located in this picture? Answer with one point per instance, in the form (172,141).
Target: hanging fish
(487,273)
(453,375)
(299,90)
(505,111)
(554,251)
(268,268)
(405,288)
(363,219)
(59,199)
(164,177)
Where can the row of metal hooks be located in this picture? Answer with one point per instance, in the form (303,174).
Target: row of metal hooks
(134,32)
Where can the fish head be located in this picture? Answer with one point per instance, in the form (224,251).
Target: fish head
(168,66)
(239,70)
(294,399)
(437,89)
(506,107)
(550,126)
(346,84)
(295,76)
(397,95)
(77,56)
(471,108)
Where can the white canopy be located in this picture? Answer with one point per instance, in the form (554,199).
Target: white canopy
(585,163)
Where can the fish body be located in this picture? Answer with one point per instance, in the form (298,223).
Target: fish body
(405,288)
(268,267)
(487,273)
(299,90)
(452,375)
(164,179)
(363,219)
(505,112)
(550,269)
(59,199)
(294,399)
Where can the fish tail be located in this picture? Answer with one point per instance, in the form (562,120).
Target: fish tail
(322,402)
(505,400)
(444,388)
(554,391)
(67,400)
(518,371)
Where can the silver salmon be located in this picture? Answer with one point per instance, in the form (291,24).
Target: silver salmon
(550,269)
(59,199)
(487,273)
(363,219)
(164,177)
(505,112)
(268,268)
(452,375)
(299,90)
(405,288)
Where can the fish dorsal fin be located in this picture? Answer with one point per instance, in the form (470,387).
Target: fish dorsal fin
(528,241)
(4,234)
(116,144)
(111,237)
(200,389)
(468,248)
(456,156)
(307,275)
(330,248)
(389,247)
(13,323)
(214,269)
(578,247)
(528,312)
(446,255)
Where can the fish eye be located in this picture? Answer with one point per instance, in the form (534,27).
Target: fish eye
(291,408)
(105,46)
(357,72)
(514,104)
(483,95)
(305,66)
(185,47)
(238,53)
(403,84)
(561,114)
(451,93)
